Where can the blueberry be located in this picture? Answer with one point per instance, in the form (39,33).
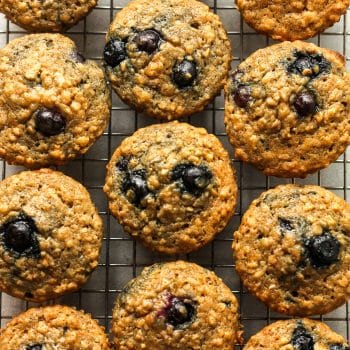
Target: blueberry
(305,104)
(184,73)
(285,224)
(114,52)
(147,40)
(20,236)
(301,339)
(242,95)
(179,312)
(192,178)
(34,347)
(311,65)
(323,250)
(49,122)
(122,164)
(135,181)
(78,57)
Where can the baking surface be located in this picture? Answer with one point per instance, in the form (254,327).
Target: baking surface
(121,257)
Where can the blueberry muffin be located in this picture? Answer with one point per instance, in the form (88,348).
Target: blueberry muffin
(167,58)
(291,20)
(292,250)
(287,109)
(54,104)
(53,327)
(299,334)
(171,186)
(177,305)
(50,235)
(46,15)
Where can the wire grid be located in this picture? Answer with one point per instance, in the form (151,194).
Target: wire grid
(121,257)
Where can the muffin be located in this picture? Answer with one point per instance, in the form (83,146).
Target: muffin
(53,327)
(50,235)
(301,334)
(54,104)
(167,58)
(177,305)
(292,250)
(287,109)
(291,20)
(171,186)
(46,15)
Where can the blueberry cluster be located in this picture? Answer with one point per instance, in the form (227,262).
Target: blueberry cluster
(311,66)
(302,339)
(19,236)
(149,41)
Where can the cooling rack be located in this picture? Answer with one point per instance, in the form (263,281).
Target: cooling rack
(122,258)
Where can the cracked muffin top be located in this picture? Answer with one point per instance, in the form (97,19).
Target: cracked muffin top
(167,58)
(50,235)
(54,104)
(292,249)
(46,15)
(287,109)
(171,186)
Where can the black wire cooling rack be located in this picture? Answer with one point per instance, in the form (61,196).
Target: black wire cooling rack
(122,258)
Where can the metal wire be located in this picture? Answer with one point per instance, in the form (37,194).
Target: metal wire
(122,258)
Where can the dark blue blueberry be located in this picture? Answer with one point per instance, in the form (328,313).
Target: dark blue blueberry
(123,164)
(301,339)
(49,122)
(34,347)
(305,104)
(311,65)
(285,224)
(184,73)
(242,95)
(135,181)
(19,236)
(178,312)
(323,250)
(192,178)
(114,52)
(148,40)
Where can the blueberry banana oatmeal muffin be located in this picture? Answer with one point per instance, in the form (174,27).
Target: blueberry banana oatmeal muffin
(291,19)
(46,15)
(177,305)
(292,250)
(171,186)
(297,334)
(53,328)
(167,58)
(50,235)
(287,109)
(54,104)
